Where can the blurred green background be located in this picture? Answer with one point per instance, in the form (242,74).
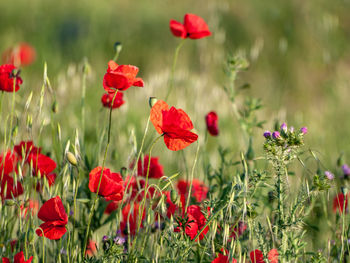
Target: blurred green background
(299,54)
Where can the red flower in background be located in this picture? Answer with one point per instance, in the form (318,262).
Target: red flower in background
(238,230)
(130,219)
(174,124)
(195,222)
(11,189)
(194,27)
(137,188)
(112,206)
(8,163)
(121,77)
(155,169)
(32,206)
(257,256)
(22,54)
(19,258)
(7,76)
(41,164)
(91,248)
(340,202)
(111,187)
(199,190)
(107,99)
(212,123)
(53,214)
(23,149)
(223,259)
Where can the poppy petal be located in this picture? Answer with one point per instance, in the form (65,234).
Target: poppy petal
(196,27)
(51,231)
(177,29)
(53,210)
(156,115)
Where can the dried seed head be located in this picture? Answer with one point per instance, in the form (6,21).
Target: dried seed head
(152,101)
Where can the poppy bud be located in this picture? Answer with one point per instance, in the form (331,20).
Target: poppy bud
(71,158)
(54,107)
(30,236)
(173,196)
(86,68)
(118,47)
(29,121)
(152,101)
(14,131)
(123,171)
(10,202)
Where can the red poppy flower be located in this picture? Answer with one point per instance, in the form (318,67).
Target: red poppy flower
(108,98)
(11,189)
(51,178)
(257,256)
(212,123)
(19,258)
(196,221)
(22,54)
(91,249)
(199,190)
(7,76)
(340,202)
(8,163)
(121,77)
(130,219)
(32,206)
(194,27)
(111,187)
(273,256)
(136,188)
(41,164)
(23,149)
(174,124)
(155,169)
(223,259)
(53,214)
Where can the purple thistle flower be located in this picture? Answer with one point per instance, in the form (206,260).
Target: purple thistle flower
(105,238)
(329,175)
(303,130)
(346,169)
(276,135)
(267,134)
(284,127)
(119,240)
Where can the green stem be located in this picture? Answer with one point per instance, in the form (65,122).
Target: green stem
(92,210)
(12,108)
(191,179)
(171,80)
(83,99)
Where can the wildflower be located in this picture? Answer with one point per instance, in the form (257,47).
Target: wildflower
(340,202)
(194,27)
(8,73)
(346,169)
(91,248)
(155,169)
(195,223)
(199,189)
(55,219)
(11,189)
(174,124)
(303,130)
(267,134)
(19,258)
(111,186)
(22,54)
(107,99)
(8,163)
(212,123)
(24,148)
(42,164)
(112,206)
(284,127)
(31,206)
(329,175)
(223,259)
(257,256)
(130,219)
(276,135)
(121,77)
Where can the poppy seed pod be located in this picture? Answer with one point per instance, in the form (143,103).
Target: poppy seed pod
(118,47)
(173,196)
(71,158)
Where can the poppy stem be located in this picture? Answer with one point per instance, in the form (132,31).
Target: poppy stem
(171,79)
(191,179)
(92,210)
(85,71)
